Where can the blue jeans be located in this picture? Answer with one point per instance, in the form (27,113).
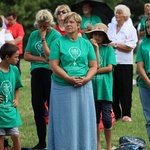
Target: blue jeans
(145,100)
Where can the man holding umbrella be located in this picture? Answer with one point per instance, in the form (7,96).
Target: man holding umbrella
(88,19)
(92,12)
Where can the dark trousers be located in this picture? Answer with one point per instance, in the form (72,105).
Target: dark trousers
(122,90)
(40,90)
(18,64)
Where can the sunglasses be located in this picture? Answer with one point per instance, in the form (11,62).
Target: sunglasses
(63,12)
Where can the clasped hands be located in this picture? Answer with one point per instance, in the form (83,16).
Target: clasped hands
(77,81)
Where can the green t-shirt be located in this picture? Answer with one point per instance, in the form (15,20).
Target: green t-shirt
(143,26)
(9,82)
(143,55)
(74,57)
(35,47)
(89,20)
(103,83)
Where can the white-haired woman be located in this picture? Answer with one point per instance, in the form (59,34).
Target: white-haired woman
(72,112)
(124,39)
(37,52)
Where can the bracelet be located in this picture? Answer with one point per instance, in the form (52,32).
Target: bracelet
(43,39)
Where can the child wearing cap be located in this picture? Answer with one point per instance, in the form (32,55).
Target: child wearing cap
(103,80)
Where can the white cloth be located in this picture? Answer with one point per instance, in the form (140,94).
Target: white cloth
(5,37)
(113,21)
(128,36)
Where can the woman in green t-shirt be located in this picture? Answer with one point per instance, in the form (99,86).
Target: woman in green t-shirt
(37,53)
(143,67)
(72,112)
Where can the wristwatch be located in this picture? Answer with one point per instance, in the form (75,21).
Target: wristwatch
(115,46)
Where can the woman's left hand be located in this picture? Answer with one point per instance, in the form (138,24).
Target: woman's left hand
(79,81)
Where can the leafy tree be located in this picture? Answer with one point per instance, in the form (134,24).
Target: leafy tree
(27,9)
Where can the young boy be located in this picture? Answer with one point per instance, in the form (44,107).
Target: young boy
(10,83)
(103,80)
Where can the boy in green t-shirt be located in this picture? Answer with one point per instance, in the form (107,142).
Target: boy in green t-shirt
(10,83)
(103,80)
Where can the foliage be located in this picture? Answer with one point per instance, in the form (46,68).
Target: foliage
(26,10)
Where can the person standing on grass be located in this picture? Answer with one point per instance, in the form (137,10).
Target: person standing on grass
(17,32)
(143,68)
(37,52)
(10,83)
(72,123)
(103,80)
(124,40)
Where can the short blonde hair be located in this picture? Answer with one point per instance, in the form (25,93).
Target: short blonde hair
(145,6)
(125,10)
(44,16)
(76,17)
(64,6)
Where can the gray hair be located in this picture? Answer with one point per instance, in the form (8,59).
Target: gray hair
(44,16)
(145,6)
(125,10)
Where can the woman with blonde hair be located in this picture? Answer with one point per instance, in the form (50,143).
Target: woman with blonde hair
(37,52)
(60,13)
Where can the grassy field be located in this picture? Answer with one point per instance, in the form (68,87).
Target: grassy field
(28,132)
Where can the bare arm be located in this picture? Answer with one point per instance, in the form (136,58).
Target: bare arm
(121,47)
(16,98)
(31,58)
(44,43)
(18,39)
(105,69)
(142,73)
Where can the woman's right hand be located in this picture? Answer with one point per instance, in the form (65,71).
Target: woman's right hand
(93,41)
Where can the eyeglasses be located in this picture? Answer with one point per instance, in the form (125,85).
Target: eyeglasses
(69,22)
(63,12)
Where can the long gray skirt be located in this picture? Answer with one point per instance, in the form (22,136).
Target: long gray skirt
(72,124)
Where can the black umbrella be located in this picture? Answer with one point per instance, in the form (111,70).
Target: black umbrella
(100,9)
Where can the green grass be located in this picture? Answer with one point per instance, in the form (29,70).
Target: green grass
(28,132)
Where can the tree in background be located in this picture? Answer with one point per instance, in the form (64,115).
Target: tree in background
(26,9)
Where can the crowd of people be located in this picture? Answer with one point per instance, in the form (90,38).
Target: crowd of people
(81,68)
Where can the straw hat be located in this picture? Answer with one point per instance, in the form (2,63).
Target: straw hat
(99,27)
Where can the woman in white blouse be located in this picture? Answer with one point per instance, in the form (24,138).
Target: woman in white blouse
(124,40)
(5,35)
